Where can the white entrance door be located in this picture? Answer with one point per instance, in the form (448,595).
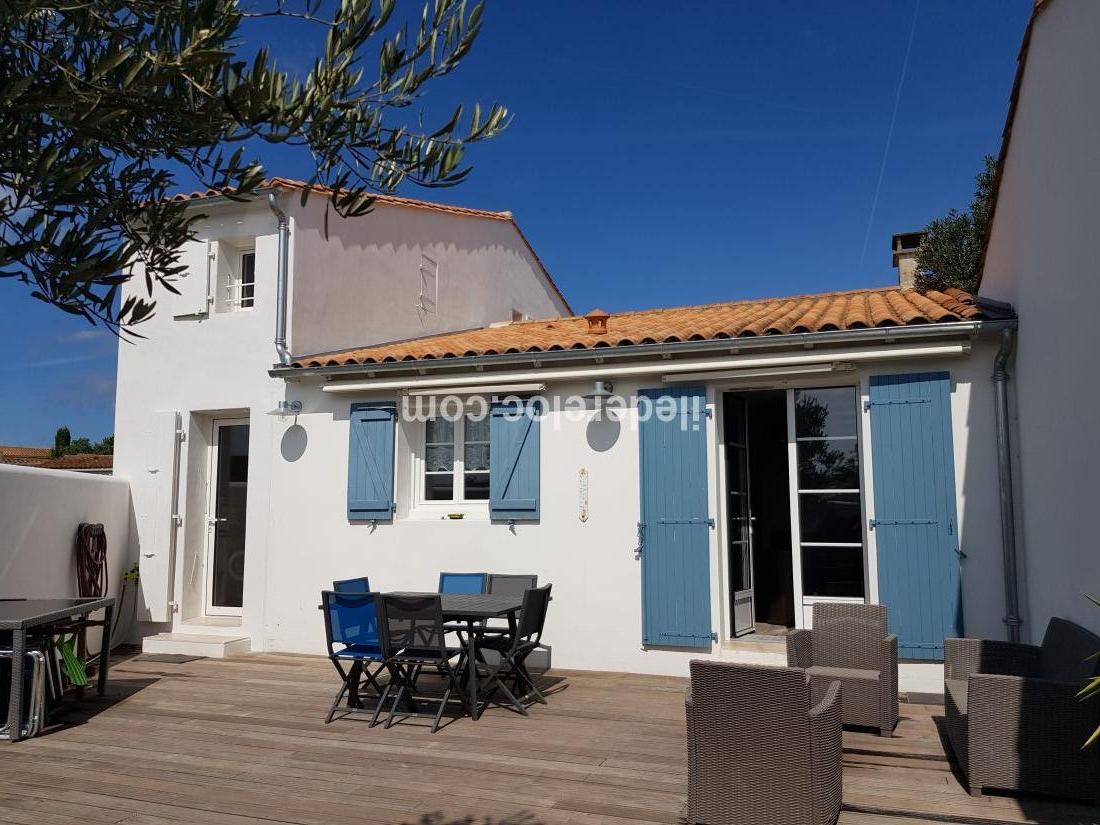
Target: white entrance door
(225,534)
(739,508)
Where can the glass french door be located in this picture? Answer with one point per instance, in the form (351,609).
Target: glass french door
(739,518)
(827,514)
(225,519)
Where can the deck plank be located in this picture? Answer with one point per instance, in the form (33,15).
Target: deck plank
(241,741)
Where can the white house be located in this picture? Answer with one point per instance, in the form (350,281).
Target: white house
(1041,258)
(192,433)
(839,446)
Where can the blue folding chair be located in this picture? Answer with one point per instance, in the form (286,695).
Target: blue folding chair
(351,633)
(359,585)
(462,582)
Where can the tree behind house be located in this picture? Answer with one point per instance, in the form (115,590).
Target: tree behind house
(950,252)
(107,108)
(65,444)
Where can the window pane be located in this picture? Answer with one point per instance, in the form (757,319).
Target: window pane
(477,486)
(439,487)
(832,571)
(248,278)
(477,430)
(476,457)
(736,465)
(439,458)
(828,465)
(825,412)
(740,559)
(830,517)
(439,431)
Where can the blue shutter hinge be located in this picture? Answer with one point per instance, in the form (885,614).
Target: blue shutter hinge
(872,523)
(713,636)
(710,523)
(709,412)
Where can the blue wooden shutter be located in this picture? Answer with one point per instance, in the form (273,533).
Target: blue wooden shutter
(370,460)
(915,515)
(513,463)
(675,526)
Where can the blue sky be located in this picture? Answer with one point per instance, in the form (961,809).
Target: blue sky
(663,154)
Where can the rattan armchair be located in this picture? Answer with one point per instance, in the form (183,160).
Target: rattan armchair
(760,752)
(1013,717)
(849,644)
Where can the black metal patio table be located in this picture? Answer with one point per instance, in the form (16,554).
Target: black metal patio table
(21,615)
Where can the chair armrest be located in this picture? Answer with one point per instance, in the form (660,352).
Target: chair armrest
(1043,715)
(963,657)
(826,743)
(828,703)
(800,648)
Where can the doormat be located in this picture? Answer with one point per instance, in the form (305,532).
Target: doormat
(168,658)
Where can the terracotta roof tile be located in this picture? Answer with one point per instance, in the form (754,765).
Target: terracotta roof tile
(80,461)
(771,316)
(393,200)
(10,451)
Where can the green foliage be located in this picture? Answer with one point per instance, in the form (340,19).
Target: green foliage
(1092,691)
(82,445)
(105,104)
(950,252)
(61,439)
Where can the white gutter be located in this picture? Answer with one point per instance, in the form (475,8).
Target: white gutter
(656,366)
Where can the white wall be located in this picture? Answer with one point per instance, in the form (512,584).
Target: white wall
(362,282)
(1042,259)
(592,566)
(39,513)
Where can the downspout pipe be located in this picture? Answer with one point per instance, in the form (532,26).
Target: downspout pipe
(1004,479)
(281,281)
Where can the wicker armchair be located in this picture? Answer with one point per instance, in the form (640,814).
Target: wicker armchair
(759,751)
(849,644)
(1013,717)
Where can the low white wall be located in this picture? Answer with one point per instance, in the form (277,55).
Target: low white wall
(39,514)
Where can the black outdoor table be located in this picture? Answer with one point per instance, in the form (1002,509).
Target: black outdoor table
(20,615)
(472,608)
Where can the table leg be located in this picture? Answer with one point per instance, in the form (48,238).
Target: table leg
(471,664)
(105,651)
(15,701)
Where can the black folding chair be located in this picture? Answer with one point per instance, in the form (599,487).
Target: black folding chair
(413,637)
(352,622)
(514,650)
(358,585)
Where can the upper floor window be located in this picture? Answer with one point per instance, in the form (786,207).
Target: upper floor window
(236,275)
(247,270)
(240,285)
(455,463)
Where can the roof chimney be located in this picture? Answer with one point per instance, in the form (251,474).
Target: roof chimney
(597,322)
(906,245)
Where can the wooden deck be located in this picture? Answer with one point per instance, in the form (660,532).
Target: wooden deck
(240,741)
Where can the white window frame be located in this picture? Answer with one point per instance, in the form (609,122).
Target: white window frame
(235,284)
(804,603)
(458,504)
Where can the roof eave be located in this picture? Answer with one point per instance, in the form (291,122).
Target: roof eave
(799,340)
